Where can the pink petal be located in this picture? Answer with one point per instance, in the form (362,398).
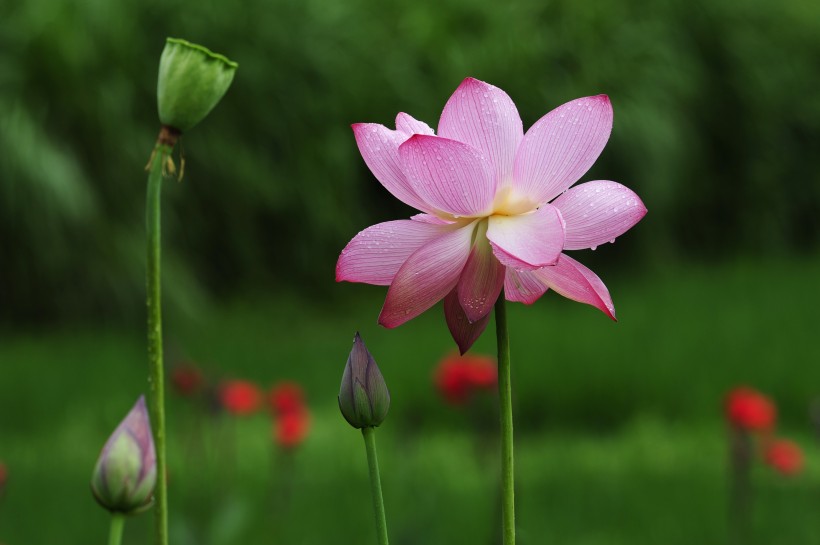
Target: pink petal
(427,276)
(528,241)
(410,126)
(379,147)
(448,175)
(481,280)
(429,218)
(523,286)
(376,254)
(597,212)
(561,147)
(576,282)
(464,332)
(485,117)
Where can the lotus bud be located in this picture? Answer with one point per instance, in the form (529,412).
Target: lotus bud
(192,80)
(126,471)
(363,397)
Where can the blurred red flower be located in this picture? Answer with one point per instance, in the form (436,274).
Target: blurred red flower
(286,398)
(4,473)
(186,379)
(785,456)
(240,397)
(750,410)
(457,377)
(291,428)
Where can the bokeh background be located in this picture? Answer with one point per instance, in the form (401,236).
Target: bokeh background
(621,437)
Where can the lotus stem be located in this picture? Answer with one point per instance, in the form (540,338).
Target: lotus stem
(369,434)
(740,467)
(505,402)
(117,524)
(160,158)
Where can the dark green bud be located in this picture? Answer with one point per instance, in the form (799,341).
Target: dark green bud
(192,80)
(363,397)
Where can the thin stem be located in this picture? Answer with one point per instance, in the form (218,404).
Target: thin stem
(375,483)
(740,495)
(505,402)
(156,374)
(117,524)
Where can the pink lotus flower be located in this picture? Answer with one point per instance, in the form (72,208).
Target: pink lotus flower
(497,211)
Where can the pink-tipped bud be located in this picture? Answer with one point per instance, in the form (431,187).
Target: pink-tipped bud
(126,471)
(363,396)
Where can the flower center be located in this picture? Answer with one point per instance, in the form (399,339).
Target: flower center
(509,203)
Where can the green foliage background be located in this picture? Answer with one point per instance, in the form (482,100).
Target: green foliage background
(716,124)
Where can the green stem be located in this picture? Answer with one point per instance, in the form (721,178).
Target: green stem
(117,524)
(375,483)
(740,461)
(156,375)
(505,401)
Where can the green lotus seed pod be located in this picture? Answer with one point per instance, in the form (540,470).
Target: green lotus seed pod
(192,80)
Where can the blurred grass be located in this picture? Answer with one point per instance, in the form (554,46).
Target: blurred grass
(620,436)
